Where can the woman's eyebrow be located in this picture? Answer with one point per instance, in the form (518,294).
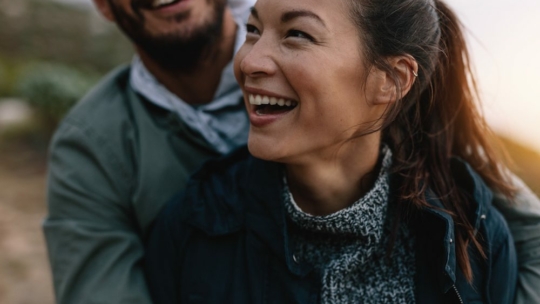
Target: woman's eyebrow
(288,16)
(254,12)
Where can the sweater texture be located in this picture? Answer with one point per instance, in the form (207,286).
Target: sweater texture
(349,248)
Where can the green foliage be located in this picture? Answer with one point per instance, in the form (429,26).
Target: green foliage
(51,89)
(3,79)
(59,32)
(8,75)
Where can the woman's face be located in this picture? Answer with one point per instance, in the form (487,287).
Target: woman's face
(302,73)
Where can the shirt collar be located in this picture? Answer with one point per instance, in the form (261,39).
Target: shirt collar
(223,122)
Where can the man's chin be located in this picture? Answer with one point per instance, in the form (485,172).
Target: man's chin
(165,30)
(179,50)
(180,46)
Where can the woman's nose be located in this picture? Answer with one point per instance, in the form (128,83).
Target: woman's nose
(258,61)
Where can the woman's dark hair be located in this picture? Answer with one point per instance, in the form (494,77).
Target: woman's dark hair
(438,119)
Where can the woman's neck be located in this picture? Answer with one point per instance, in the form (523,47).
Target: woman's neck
(323,186)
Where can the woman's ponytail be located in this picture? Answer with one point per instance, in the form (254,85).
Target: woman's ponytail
(463,129)
(439,118)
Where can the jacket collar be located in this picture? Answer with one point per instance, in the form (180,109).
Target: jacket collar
(261,194)
(265,183)
(267,219)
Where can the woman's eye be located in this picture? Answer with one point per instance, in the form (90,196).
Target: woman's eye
(299,34)
(252,29)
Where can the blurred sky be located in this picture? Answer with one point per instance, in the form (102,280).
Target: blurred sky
(504,38)
(505,44)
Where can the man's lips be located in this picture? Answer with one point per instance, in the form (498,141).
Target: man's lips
(154,4)
(157,4)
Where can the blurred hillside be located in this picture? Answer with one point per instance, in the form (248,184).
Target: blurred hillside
(50,55)
(46,31)
(526,162)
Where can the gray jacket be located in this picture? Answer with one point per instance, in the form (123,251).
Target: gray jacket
(523,218)
(114,161)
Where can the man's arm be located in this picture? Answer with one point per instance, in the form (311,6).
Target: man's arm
(94,249)
(523,217)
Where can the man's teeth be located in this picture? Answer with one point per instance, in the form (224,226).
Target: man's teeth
(158,3)
(262,100)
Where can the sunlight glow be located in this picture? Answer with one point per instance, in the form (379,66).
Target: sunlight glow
(504,38)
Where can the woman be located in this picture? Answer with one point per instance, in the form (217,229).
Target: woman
(370,177)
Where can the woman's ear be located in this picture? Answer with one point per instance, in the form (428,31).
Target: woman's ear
(406,69)
(381,86)
(105,8)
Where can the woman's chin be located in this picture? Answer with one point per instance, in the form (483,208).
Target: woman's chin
(259,151)
(265,151)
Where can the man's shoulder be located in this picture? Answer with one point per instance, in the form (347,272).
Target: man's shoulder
(106,101)
(102,119)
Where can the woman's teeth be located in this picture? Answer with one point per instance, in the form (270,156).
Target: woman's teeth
(263,100)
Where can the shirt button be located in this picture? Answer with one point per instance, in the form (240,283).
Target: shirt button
(451,241)
(483,216)
(294,258)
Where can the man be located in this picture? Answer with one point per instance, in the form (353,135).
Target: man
(132,142)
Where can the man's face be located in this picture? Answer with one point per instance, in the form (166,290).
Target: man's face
(173,33)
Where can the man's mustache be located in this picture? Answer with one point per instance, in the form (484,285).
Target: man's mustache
(141,4)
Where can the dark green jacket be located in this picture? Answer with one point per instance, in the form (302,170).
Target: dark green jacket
(114,161)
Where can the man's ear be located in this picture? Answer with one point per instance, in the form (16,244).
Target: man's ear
(382,87)
(104,7)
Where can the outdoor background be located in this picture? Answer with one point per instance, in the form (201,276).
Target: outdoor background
(52,52)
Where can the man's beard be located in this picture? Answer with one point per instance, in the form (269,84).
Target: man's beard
(175,52)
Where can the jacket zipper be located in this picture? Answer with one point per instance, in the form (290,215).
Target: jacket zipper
(458,295)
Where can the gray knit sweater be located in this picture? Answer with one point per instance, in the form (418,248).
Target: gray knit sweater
(349,248)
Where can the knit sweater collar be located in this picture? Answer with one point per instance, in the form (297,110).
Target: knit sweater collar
(365,217)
